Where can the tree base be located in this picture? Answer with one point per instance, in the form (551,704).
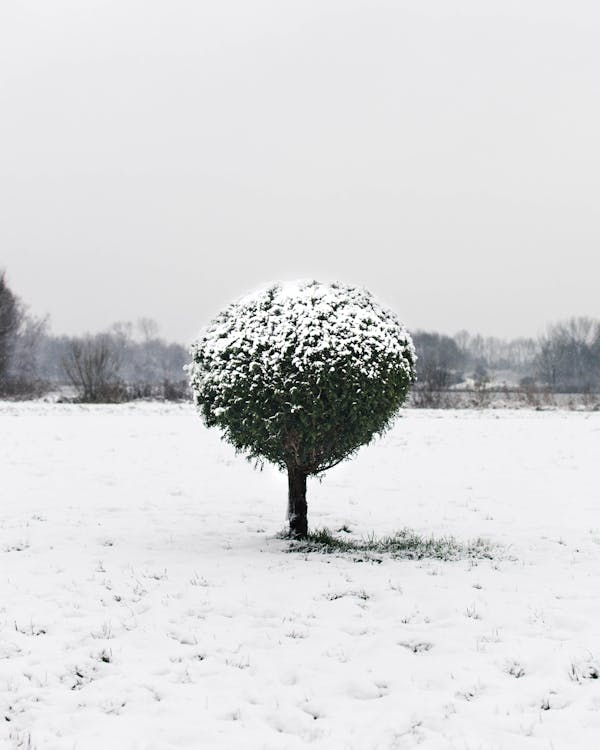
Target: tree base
(297,507)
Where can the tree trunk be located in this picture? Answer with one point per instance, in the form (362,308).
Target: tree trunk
(297,508)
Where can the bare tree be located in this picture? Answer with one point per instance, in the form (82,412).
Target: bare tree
(569,357)
(92,365)
(439,365)
(148,329)
(25,355)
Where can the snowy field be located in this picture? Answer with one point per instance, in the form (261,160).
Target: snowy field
(146,604)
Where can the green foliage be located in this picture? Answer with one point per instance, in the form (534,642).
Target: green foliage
(302,376)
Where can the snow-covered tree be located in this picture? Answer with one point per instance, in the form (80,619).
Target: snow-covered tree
(302,375)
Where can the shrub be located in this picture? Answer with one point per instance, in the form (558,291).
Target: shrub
(22,389)
(92,365)
(302,375)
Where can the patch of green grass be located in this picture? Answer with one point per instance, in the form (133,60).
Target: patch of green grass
(403,544)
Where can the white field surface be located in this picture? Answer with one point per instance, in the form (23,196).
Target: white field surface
(146,604)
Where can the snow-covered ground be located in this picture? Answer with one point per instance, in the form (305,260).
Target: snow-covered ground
(146,604)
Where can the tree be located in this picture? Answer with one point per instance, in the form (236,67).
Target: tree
(441,364)
(569,357)
(148,329)
(92,365)
(441,361)
(302,375)
(10,320)
(28,341)
(21,336)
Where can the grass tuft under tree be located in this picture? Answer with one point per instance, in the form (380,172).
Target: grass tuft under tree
(302,375)
(404,544)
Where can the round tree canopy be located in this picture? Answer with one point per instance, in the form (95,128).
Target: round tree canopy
(302,374)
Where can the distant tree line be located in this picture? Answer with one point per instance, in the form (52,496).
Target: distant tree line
(565,359)
(132,361)
(128,361)
(446,361)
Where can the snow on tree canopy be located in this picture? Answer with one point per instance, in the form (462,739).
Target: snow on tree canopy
(302,374)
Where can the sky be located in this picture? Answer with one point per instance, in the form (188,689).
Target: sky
(161,159)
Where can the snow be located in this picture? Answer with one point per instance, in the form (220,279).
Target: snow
(146,604)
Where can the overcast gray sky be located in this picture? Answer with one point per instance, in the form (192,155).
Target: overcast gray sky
(161,158)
